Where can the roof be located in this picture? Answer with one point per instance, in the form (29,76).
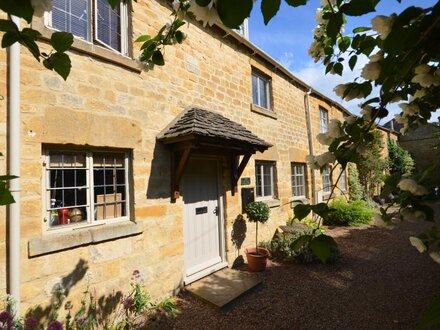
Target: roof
(199,123)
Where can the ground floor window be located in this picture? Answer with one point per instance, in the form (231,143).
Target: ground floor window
(299,179)
(85,187)
(343,180)
(265,179)
(326,180)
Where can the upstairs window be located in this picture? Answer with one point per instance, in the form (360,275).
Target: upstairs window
(265,179)
(261,90)
(92,20)
(323,120)
(299,180)
(326,180)
(84,187)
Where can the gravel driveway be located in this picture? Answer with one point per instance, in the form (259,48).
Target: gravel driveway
(380,282)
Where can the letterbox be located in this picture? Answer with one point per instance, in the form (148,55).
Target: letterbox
(247,196)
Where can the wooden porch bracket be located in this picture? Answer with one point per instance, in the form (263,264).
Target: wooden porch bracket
(178,165)
(237,170)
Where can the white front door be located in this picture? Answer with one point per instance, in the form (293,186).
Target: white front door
(202,219)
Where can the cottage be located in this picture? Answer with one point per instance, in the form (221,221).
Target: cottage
(123,169)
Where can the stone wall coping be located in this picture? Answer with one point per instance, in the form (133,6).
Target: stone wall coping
(272,202)
(85,236)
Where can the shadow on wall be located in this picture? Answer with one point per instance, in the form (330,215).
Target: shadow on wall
(238,235)
(106,305)
(159,180)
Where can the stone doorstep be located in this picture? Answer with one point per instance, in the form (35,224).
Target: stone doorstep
(224,286)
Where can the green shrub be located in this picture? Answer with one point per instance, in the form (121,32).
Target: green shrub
(280,248)
(355,187)
(343,213)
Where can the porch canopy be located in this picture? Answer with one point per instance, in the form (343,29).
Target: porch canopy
(200,131)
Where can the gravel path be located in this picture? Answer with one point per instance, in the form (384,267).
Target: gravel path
(380,282)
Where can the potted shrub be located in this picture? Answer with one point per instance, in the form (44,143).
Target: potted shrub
(257,257)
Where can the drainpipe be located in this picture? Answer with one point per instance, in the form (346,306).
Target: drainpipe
(14,169)
(310,138)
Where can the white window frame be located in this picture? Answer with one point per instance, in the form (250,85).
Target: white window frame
(327,188)
(91,221)
(260,77)
(323,120)
(92,37)
(259,170)
(295,174)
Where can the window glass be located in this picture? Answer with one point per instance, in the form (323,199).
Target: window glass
(326,180)
(72,16)
(298,179)
(323,119)
(108,24)
(265,179)
(260,91)
(75,198)
(109,27)
(343,180)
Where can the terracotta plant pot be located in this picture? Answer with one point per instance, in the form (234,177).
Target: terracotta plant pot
(257,262)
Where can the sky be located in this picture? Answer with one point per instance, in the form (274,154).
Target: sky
(289,34)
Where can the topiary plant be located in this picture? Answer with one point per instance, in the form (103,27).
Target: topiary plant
(257,212)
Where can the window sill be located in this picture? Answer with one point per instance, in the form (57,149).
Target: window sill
(63,241)
(271,202)
(88,48)
(263,111)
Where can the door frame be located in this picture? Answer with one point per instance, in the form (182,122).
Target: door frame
(221,223)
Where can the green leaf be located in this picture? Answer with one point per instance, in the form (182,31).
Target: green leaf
(431,316)
(113,3)
(233,12)
(19,8)
(180,36)
(329,68)
(334,25)
(344,43)
(296,3)
(5,195)
(321,245)
(300,242)
(301,211)
(269,8)
(9,38)
(31,45)
(158,58)
(352,62)
(361,29)
(61,64)
(338,68)
(203,3)
(320,209)
(7,25)
(61,41)
(359,7)
(7,177)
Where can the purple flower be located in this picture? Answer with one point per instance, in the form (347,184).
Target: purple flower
(6,320)
(55,325)
(30,323)
(82,320)
(128,302)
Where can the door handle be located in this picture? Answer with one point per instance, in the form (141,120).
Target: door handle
(216,210)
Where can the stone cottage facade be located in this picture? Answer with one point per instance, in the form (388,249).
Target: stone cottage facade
(105,192)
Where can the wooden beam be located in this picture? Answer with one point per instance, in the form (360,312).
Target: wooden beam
(237,170)
(243,164)
(177,171)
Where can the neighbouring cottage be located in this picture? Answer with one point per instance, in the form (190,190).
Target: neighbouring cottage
(124,170)
(420,143)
